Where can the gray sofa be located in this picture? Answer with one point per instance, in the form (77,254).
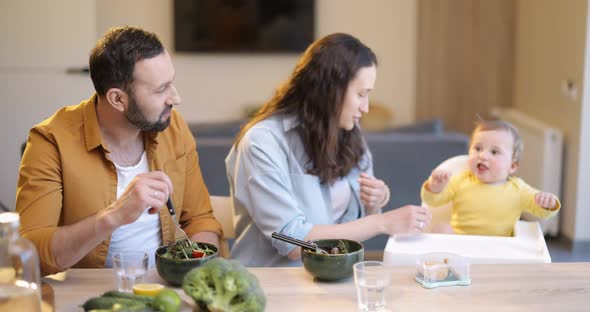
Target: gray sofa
(403,157)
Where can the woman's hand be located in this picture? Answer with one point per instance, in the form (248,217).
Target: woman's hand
(409,219)
(374,192)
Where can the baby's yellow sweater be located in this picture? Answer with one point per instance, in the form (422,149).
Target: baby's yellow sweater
(487,209)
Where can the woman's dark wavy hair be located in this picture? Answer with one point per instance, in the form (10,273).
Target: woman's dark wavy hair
(113,59)
(315,94)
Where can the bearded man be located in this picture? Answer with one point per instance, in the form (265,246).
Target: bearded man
(94,177)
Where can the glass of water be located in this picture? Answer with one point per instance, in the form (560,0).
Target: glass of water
(371,279)
(130,268)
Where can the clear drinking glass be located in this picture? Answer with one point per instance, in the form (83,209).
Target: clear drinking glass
(20,278)
(130,268)
(371,279)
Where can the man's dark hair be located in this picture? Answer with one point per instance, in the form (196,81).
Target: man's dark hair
(113,59)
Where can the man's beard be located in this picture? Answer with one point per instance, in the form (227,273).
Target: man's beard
(138,119)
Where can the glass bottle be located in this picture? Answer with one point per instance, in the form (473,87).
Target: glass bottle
(20,279)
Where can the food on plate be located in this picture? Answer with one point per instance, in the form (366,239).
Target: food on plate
(183,249)
(442,269)
(340,248)
(435,271)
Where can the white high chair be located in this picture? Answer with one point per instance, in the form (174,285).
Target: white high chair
(526,246)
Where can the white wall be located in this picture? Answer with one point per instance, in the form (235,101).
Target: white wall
(550,45)
(583,183)
(38,40)
(219,87)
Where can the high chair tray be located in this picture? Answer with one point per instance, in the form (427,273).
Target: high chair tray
(526,246)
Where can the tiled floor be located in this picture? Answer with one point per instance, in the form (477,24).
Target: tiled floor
(562,251)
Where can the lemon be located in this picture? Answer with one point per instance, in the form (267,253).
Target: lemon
(147,289)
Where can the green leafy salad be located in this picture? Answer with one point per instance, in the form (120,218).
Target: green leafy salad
(341,248)
(183,249)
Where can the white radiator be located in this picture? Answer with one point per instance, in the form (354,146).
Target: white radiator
(541,163)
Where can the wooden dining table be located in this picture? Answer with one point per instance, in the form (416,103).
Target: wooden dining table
(506,287)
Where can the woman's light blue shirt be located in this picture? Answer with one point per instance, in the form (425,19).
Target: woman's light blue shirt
(272,192)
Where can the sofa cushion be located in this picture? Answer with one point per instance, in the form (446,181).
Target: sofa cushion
(433,126)
(218,129)
(212,152)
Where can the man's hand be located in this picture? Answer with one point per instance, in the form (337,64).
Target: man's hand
(146,190)
(71,243)
(545,200)
(438,180)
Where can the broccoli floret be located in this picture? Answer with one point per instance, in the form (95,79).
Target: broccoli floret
(221,285)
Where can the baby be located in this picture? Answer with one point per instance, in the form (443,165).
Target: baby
(487,199)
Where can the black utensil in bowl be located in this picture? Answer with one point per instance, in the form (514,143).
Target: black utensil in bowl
(300,243)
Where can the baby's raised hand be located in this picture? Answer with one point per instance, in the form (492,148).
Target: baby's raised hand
(545,200)
(438,180)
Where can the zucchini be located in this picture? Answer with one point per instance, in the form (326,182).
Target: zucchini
(139,298)
(107,303)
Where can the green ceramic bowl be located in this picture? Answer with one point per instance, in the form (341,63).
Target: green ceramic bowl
(173,270)
(332,267)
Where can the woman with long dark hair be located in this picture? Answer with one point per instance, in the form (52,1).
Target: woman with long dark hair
(301,167)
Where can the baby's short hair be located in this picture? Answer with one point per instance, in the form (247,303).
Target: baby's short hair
(497,124)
